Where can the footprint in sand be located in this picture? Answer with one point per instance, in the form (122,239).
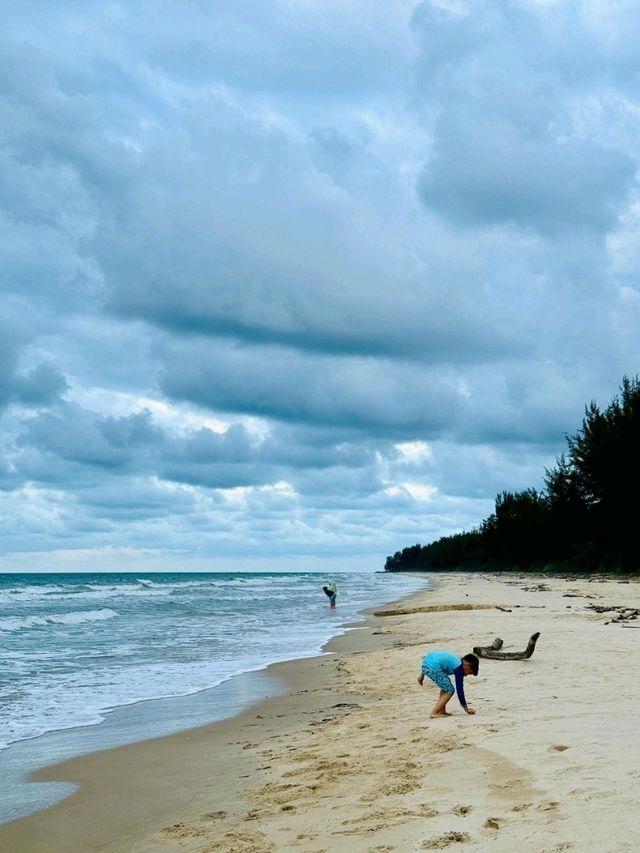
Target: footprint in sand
(548,806)
(505,787)
(446,840)
(181,830)
(301,755)
(290,774)
(377,820)
(558,747)
(492,823)
(425,810)
(451,743)
(462,810)
(403,787)
(245,841)
(369,829)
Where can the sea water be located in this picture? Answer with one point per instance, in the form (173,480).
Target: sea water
(84,650)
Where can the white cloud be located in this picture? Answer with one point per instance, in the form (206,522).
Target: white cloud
(414,451)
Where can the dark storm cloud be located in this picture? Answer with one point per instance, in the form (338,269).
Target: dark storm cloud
(194,214)
(269,252)
(355,393)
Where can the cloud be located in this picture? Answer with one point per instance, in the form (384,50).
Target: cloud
(507,147)
(274,252)
(81,450)
(486,172)
(255,258)
(353,393)
(41,385)
(89,439)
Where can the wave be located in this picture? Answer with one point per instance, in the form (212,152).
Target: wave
(28,593)
(36,595)
(18,623)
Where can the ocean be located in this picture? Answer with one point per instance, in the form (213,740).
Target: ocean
(96,660)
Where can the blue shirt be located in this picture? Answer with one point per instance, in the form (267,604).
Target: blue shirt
(448,664)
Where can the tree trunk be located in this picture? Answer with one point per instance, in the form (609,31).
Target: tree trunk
(492,650)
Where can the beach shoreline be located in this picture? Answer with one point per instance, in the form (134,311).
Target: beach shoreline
(346,756)
(250,689)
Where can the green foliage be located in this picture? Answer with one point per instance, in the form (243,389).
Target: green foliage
(583,520)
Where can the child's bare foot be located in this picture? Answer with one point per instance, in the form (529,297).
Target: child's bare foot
(442,714)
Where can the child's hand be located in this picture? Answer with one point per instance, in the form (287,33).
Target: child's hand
(470,710)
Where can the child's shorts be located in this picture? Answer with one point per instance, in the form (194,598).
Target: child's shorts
(439,678)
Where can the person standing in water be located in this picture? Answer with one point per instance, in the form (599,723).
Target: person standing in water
(331,592)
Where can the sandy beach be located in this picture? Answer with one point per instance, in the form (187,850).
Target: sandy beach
(347,758)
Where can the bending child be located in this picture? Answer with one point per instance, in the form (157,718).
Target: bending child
(438,666)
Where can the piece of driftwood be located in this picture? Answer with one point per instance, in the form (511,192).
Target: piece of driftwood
(493,652)
(495,646)
(624,613)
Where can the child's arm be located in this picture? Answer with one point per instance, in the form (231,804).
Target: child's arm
(459,674)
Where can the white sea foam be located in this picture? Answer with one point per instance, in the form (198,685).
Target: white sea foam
(78,617)
(35,595)
(26,594)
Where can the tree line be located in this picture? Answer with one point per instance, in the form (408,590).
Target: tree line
(583,520)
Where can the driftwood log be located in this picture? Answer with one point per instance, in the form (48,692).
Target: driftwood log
(624,613)
(493,651)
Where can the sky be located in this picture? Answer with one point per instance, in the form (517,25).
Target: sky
(294,284)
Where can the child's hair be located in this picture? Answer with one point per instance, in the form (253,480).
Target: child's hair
(475,663)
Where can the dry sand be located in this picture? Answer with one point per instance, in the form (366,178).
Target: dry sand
(348,759)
